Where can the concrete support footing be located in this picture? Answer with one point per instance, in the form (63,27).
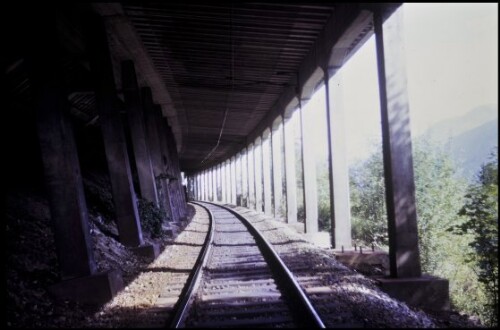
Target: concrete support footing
(149,251)
(94,289)
(427,292)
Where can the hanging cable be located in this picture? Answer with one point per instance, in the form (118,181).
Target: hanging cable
(232,86)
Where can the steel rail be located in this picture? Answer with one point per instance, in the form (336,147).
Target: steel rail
(194,278)
(304,310)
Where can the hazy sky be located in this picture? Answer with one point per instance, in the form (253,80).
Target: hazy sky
(452,67)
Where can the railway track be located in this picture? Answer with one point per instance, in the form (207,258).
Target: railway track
(239,281)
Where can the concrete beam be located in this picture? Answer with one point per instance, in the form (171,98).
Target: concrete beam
(404,254)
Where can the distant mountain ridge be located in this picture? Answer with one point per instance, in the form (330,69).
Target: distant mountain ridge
(470,138)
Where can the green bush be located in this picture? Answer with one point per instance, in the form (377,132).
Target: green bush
(151,217)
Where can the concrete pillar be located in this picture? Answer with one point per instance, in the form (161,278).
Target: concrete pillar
(214,183)
(153,139)
(63,179)
(258,174)
(290,174)
(135,115)
(207,186)
(223,182)
(166,168)
(176,168)
(233,180)
(251,177)
(244,177)
(266,171)
(397,150)
(197,184)
(227,187)
(337,164)
(277,159)
(209,180)
(309,170)
(127,217)
(237,165)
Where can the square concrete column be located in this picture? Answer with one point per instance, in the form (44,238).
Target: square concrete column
(266,171)
(166,167)
(223,182)
(397,150)
(214,183)
(309,172)
(277,159)
(68,208)
(251,176)
(233,180)
(338,170)
(209,185)
(154,145)
(258,174)
(244,178)
(239,180)
(228,180)
(177,172)
(113,134)
(135,115)
(290,173)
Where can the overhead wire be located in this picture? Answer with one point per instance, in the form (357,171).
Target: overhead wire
(232,87)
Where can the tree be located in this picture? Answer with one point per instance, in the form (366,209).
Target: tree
(481,212)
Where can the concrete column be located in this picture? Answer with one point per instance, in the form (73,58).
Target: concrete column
(176,167)
(197,185)
(237,165)
(210,185)
(309,170)
(227,188)
(214,183)
(207,186)
(203,186)
(244,177)
(153,139)
(266,171)
(251,177)
(166,168)
(222,169)
(127,217)
(233,180)
(63,179)
(397,150)
(290,174)
(277,158)
(137,131)
(258,174)
(337,164)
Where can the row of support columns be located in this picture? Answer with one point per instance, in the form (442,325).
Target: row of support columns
(153,148)
(262,178)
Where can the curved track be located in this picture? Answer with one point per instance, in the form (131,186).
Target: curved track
(239,281)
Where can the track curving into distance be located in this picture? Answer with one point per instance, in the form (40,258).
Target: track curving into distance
(239,281)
